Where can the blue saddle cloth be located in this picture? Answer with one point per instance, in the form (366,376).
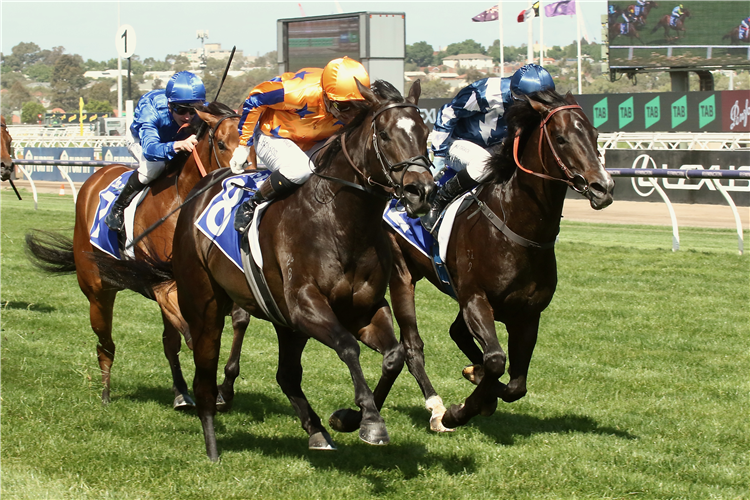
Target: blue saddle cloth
(217,219)
(102,237)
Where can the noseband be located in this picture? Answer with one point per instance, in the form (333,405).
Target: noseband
(394,188)
(576,181)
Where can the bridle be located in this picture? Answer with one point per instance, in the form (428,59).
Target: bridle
(576,181)
(393,188)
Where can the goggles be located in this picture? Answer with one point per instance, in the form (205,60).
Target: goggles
(181,109)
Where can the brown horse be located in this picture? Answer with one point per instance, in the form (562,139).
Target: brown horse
(616,29)
(641,18)
(734,36)
(218,137)
(501,255)
(6,169)
(326,260)
(679,25)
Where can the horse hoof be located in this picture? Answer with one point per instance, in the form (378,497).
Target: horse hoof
(450,419)
(345,420)
(105,397)
(321,441)
(436,424)
(183,402)
(473,373)
(223,405)
(374,434)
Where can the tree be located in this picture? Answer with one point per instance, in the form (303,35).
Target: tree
(100,91)
(30,112)
(17,95)
(436,89)
(67,82)
(22,55)
(473,74)
(466,47)
(181,63)
(94,106)
(39,72)
(419,53)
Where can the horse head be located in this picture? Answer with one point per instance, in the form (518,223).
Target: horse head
(571,141)
(7,160)
(218,135)
(397,145)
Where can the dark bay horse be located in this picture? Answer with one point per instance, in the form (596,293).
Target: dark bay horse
(55,253)
(616,30)
(326,259)
(6,169)
(501,255)
(734,36)
(679,26)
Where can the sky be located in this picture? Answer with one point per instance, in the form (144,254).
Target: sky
(167,27)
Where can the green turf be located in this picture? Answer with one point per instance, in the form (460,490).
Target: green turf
(638,389)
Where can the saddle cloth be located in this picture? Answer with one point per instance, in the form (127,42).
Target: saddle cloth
(100,235)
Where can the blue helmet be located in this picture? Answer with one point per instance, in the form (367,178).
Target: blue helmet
(185,87)
(531,78)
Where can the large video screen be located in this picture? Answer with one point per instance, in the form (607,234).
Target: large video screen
(311,44)
(659,34)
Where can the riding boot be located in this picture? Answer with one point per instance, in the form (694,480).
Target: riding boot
(116,218)
(448,192)
(274,187)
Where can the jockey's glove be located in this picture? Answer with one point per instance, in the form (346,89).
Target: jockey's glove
(239,159)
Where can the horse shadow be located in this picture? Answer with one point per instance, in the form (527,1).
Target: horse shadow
(29,306)
(504,428)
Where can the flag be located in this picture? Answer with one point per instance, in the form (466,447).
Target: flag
(488,15)
(562,8)
(529,13)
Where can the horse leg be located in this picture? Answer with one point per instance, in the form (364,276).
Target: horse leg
(101,303)
(240,320)
(522,337)
(315,318)
(289,378)
(479,318)
(402,285)
(378,336)
(172,343)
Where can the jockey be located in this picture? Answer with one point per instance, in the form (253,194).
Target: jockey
(287,118)
(628,16)
(472,122)
(744,28)
(156,121)
(676,13)
(612,14)
(638,7)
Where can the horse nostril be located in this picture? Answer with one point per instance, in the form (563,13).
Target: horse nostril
(600,190)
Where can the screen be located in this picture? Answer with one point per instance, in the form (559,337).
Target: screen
(706,34)
(311,44)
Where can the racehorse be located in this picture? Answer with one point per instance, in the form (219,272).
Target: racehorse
(679,25)
(218,137)
(501,255)
(616,29)
(326,260)
(6,169)
(641,18)
(734,36)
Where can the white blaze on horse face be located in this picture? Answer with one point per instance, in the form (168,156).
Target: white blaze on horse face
(407,125)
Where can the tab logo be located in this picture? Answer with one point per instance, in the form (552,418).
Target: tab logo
(707,111)
(679,111)
(625,112)
(652,111)
(600,112)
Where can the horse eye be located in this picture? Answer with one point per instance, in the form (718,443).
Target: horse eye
(384,135)
(222,146)
(560,140)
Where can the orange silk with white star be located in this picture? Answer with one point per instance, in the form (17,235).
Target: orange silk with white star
(289,106)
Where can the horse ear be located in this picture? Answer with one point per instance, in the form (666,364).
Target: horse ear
(414,92)
(570,99)
(538,106)
(368,94)
(207,117)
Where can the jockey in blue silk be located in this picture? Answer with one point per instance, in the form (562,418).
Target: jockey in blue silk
(288,118)
(638,8)
(744,28)
(156,121)
(470,124)
(676,13)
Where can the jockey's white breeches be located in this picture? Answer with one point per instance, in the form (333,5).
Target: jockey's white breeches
(147,170)
(281,154)
(465,155)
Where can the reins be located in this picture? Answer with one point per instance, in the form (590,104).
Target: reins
(573,180)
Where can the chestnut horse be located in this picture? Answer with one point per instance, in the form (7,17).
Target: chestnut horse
(6,169)
(326,259)
(679,25)
(501,255)
(218,137)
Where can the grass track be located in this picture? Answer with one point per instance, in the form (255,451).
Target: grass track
(638,389)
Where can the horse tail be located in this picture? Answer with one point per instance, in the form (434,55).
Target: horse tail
(50,252)
(141,275)
(658,25)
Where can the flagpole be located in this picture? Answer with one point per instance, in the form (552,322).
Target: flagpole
(502,48)
(541,34)
(578,37)
(530,31)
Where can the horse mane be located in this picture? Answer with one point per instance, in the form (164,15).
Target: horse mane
(521,118)
(200,129)
(382,89)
